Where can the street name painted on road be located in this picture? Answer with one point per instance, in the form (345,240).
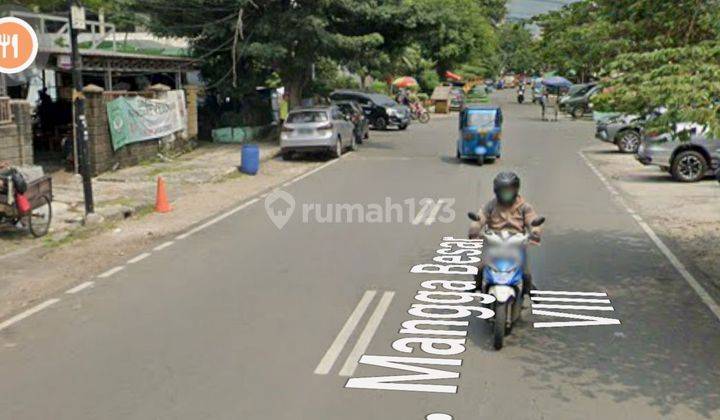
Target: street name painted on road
(443,303)
(571,301)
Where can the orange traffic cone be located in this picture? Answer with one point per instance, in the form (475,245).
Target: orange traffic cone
(161,201)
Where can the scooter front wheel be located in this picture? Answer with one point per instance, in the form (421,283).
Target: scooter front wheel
(499,325)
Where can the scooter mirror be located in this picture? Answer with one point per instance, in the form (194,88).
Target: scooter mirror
(474,216)
(537,222)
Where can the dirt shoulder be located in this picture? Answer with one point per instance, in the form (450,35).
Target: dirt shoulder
(686,214)
(53,265)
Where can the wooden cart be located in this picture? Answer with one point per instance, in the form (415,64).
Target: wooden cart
(39,193)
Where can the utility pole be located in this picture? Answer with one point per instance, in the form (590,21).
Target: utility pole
(76,22)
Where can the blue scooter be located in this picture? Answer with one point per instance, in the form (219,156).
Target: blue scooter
(502,276)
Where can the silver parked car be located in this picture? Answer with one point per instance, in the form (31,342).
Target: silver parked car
(317,129)
(625,131)
(687,161)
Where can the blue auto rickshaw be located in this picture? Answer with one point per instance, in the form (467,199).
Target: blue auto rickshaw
(480,133)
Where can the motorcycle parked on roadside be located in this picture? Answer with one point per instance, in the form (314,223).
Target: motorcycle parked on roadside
(502,276)
(419,113)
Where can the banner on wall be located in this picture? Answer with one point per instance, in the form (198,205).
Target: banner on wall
(135,119)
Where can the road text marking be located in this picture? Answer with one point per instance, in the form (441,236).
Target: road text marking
(580,320)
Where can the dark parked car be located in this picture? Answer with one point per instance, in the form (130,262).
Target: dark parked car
(380,110)
(577,103)
(354,110)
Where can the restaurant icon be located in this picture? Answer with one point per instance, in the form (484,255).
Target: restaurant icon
(18,45)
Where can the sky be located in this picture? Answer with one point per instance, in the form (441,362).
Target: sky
(521,9)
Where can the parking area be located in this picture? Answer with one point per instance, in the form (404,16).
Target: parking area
(686,214)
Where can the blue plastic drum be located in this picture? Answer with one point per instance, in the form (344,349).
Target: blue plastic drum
(250,159)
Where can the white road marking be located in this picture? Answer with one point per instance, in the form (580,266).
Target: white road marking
(307,174)
(332,353)
(434,212)
(111,271)
(679,266)
(579,307)
(438,416)
(139,258)
(163,246)
(160,247)
(217,219)
(80,287)
(35,309)
(559,292)
(251,202)
(572,300)
(367,334)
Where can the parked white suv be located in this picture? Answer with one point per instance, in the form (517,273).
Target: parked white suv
(318,129)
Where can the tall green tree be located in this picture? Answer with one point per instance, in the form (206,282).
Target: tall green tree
(515,48)
(242,42)
(650,53)
(454,32)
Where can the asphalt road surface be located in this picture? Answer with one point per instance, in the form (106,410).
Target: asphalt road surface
(241,320)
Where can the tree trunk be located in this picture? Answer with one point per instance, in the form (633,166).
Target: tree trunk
(294,88)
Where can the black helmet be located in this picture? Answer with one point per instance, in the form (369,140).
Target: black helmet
(507,187)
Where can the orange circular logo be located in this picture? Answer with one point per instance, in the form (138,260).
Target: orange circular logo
(18,45)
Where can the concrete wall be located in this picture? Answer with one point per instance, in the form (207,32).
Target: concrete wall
(16,137)
(102,156)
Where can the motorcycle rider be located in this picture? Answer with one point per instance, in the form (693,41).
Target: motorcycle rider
(508,211)
(521,92)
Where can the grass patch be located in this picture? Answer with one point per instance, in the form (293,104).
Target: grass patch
(167,170)
(78,234)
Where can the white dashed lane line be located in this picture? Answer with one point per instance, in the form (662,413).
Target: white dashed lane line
(111,271)
(35,309)
(679,266)
(217,219)
(80,287)
(163,246)
(139,258)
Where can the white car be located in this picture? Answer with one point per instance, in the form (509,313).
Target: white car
(317,129)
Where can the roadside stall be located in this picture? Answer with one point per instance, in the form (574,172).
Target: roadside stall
(441,99)
(26,198)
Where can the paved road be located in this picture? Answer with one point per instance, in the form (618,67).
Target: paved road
(234,320)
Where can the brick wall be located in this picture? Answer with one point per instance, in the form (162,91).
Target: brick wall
(16,137)
(102,156)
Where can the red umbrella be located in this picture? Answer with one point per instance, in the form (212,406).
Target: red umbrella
(451,75)
(404,82)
